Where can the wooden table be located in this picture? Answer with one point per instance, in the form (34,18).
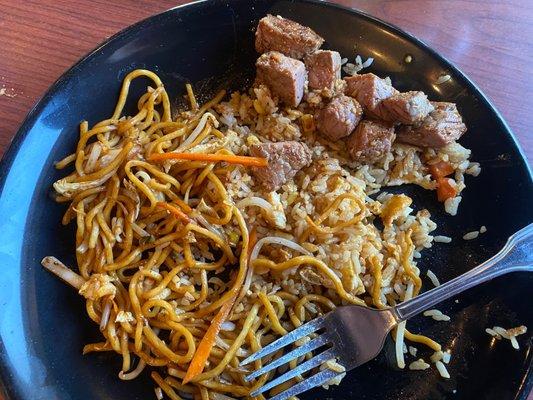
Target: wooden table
(490,40)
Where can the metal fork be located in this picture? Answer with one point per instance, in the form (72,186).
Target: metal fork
(353,335)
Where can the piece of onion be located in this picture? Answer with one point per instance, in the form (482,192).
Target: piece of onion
(199,128)
(225,346)
(246,284)
(221,343)
(90,166)
(55,266)
(105,314)
(130,190)
(400,331)
(227,326)
(256,201)
(68,189)
(132,374)
(139,231)
(255,252)
(158,393)
(143,176)
(210,227)
(279,241)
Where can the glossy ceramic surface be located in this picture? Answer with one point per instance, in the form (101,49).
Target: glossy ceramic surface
(43,324)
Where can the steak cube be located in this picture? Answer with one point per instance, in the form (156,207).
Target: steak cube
(370,141)
(275,33)
(369,90)
(406,108)
(442,126)
(339,117)
(285,76)
(323,68)
(285,159)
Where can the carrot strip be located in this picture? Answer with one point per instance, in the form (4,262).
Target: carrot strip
(197,364)
(174,211)
(199,359)
(440,169)
(445,190)
(231,159)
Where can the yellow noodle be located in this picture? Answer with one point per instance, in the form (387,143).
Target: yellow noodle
(171,274)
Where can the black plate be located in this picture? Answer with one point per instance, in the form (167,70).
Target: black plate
(43,324)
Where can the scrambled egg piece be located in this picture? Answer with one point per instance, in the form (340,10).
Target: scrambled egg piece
(394,207)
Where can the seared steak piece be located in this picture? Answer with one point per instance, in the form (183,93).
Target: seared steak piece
(284,76)
(370,141)
(323,68)
(339,117)
(285,159)
(286,36)
(369,90)
(406,108)
(441,127)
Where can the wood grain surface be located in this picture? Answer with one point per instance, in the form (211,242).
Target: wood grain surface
(490,40)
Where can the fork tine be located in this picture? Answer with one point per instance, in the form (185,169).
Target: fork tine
(290,337)
(297,352)
(309,383)
(300,369)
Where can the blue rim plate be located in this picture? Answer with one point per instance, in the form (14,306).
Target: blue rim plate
(43,324)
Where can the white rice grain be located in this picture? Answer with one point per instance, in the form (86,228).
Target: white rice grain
(368,62)
(442,239)
(514,342)
(442,79)
(434,280)
(493,333)
(502,332)
(227,326)
(437,315)
(451,205)
(471,235)
(510,334)
(442,370)
(473,169)
(483,229)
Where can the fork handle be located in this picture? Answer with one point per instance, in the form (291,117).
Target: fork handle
(516,255)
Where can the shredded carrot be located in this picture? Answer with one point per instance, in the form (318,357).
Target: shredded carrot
(231,159)
(208,341)
(440,169)
(201,355)
(174,211)
(445,190)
